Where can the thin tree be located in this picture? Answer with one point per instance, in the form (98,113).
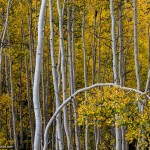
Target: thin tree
(55,79)
(3,34)
(63,73)
(36,100)
(117,129)
(85,75)
(13,107)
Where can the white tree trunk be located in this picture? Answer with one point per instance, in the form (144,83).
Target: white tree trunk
(72,74)
(117,129)
(55,80)
(2,42)
(63,74)
(121,64)
(136,46)
(85,76)
(36,100)
(113,41)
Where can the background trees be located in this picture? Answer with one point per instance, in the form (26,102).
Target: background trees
(77,52)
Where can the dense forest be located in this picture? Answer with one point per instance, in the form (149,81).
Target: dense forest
(75,74)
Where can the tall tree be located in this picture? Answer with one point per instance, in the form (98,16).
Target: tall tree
(117,129)
(36,97)
(55,79)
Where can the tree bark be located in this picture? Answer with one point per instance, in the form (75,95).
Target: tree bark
(13,108)
(2,41)
(117,129)
(36,100)
(55,79)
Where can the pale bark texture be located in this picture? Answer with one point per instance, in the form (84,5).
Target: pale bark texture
(69,142)
(117,129)
(36,100)
(136,47)
(85,76)
(55,80)
(3,34)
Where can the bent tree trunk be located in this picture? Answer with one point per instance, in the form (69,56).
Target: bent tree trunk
(76,93)
(36,101)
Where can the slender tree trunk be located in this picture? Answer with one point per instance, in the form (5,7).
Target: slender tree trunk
(73,46)
(121,64)
(85,76)
(8,89)
(63,75)
(117,129)
(113,42)
(136,60)
(136,47)
(36,100)
(30,46)
(55,80)
(71,70)
(20,97)
(94,51)
(28,93)
(13,108)
(47,86)
(98,77)
(2,41)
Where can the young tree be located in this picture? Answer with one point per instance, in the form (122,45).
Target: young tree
(117,129)
(55,79)
(36,97)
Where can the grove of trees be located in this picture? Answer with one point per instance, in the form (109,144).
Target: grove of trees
(75,74)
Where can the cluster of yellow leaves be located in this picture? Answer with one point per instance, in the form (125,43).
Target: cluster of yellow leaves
(100,108)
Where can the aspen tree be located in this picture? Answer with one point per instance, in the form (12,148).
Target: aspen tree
(94,50)
(36,101)
(136,47)
(47,85)
(13,107)
(20,97)
(55,79)
(27,90)
(85,75)
(8,88)
(69,62)
(98,78)
(121,63)
(136,60)
(73,45)
(63,73)
(117,129)
(30,42)
(71,70)
(3,34)
(94,70)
